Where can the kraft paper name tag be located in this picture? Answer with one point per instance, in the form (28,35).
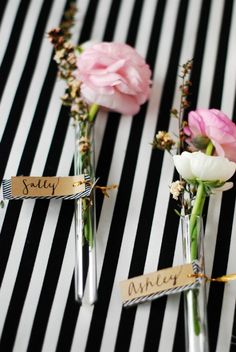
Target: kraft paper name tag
(23,187)
(159,283)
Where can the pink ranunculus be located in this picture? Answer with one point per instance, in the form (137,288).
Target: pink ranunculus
(114,76)
(216,126)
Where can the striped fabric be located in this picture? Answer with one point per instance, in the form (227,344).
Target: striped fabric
(137,229)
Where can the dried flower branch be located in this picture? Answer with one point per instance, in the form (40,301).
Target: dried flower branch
(65,57)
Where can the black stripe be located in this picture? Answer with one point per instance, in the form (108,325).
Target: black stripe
(51,276)
(115,234)
(71,313)
(195,78)
(133,26)
(233,338)
(7,233)
(43,314)
(108,143)
(220,264)
(118,223)
(112,20)
(221,258)
(228,199)
(199,53)
(105,157)
(2,9)
(149,200)
(69,321)
(179,329)
(88,21)
(12,45)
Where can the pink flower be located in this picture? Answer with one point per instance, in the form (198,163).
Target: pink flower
(214,125)
(114,76)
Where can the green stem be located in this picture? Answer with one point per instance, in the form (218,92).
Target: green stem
(196,212)
(210,148)
(195,233)
(92,112)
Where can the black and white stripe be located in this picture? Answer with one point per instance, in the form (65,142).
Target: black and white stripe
(137,229)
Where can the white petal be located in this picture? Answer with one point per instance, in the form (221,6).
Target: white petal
(211,168)
(182,164)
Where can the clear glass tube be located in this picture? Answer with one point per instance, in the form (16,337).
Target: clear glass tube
(85,217)
(196,333)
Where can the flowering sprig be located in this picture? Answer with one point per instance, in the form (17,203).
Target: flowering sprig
(210,138)
(102,75)
(163,139)
(66,58)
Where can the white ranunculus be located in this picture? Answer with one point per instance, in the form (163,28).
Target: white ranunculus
(204,167)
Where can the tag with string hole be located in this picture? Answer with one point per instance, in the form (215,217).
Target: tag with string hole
(56,187)
(160,283)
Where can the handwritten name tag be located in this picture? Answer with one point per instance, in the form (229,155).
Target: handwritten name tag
(46,186)
(70,187)
(163,282)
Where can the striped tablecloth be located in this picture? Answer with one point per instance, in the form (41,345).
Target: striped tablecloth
(137,229)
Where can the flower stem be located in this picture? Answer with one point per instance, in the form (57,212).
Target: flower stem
(195,233)
(196,211)
(210,148)
(92,112)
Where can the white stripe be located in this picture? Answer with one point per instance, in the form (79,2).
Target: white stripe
(208,67)
(81,330)
(213,216)
(172,306)
(14,259)
(209,59)
(122,26)
(36,282)
(229,299)
(163,195)
(7,24)
(61,295)
(230,70)
(41,261)
(99,24)
(62,291)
